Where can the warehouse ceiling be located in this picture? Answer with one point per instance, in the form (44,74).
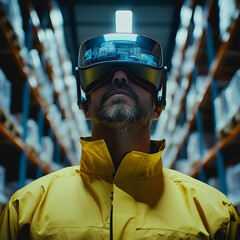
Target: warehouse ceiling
(158,19)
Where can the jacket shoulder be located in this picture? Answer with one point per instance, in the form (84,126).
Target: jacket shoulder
(40,185)
(198,186)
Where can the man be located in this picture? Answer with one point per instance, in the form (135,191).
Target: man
(121,190)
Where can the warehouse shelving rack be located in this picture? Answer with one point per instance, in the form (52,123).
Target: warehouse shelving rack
(24,71)
(66,112)
(28,98)
(214,52)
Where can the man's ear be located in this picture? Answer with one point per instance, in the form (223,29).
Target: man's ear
(86,108)
(86,113)
(156,113)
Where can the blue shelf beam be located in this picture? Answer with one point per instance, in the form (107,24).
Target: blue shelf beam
(39,172)
(25,113)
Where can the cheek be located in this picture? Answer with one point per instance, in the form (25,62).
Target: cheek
(96,96)
(146,99)
(144,95)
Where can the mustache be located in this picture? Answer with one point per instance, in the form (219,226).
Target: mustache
(119,85)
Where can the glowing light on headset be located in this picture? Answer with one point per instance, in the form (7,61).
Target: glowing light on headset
(120,37)
(123,21)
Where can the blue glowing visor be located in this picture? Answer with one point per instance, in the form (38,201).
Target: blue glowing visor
(121,47)
(140,56)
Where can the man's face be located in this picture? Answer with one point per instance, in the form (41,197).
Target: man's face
(120,103)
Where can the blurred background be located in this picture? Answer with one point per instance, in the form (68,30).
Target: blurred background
(40,123)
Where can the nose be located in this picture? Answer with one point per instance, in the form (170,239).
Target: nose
(120,76)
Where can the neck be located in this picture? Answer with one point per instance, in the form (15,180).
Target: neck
(121,142)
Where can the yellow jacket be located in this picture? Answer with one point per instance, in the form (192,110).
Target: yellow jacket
(141,200)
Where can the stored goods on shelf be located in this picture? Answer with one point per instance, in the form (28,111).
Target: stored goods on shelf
(47,150)
(5,92)
(179,96)
(198,19)
(10,122)
(60,126)
(64,134)
(173,143)
(227,11)
(183,165)
(3,198)
(12,10)
(194,96)
(227,110)
(191,102)
(195,151)
(233,92)
(233,186)
(32,139)
(44,86)
(186,14)
(169,155)
(214,182)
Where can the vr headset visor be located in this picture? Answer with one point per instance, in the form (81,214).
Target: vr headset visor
(140,56)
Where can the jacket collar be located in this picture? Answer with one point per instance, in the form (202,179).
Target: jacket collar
(95,159)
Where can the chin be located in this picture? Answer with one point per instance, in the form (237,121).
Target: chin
(118,112)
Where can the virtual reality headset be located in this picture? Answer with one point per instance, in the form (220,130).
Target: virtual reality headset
(139,56)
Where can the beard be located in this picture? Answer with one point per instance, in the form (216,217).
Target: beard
(119,116)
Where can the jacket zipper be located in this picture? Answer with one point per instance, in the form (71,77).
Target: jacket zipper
(111,213)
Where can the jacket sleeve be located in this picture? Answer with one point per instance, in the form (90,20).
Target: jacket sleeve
(234,226)
(9,222)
